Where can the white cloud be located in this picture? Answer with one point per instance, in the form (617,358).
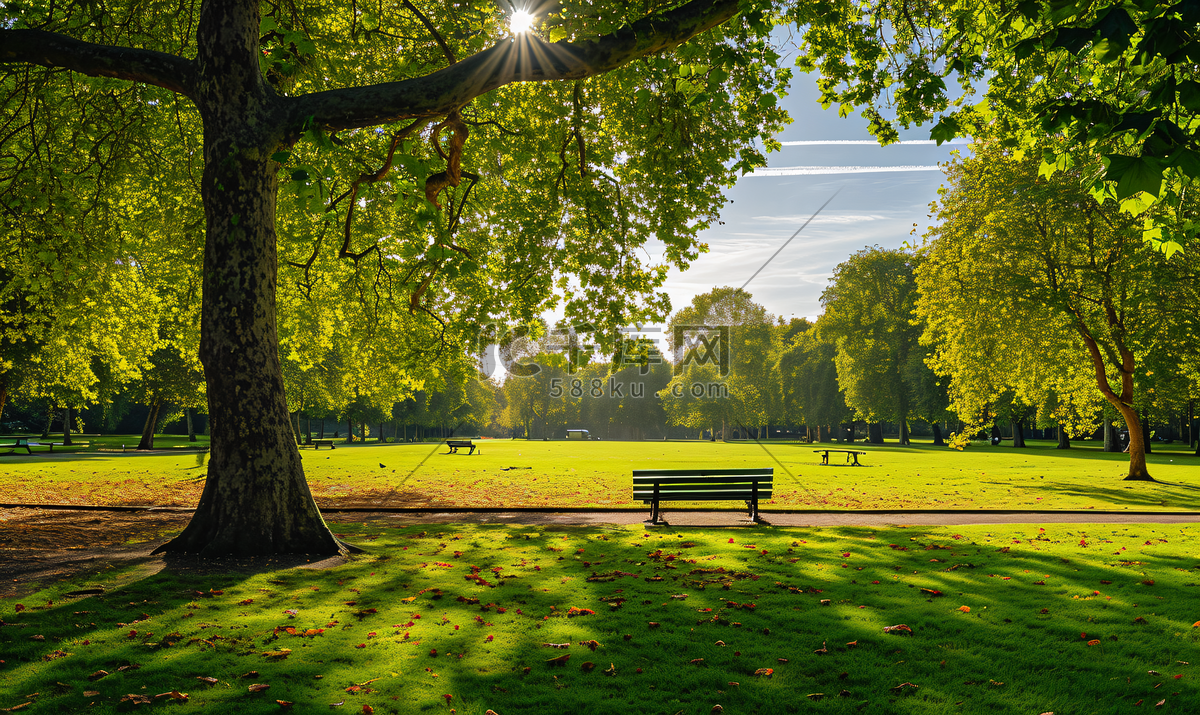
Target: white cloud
(815,170)
(823,218)
(833,142)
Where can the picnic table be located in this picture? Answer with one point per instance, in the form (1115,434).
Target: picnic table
(652,486)
(18,443)
(850,454)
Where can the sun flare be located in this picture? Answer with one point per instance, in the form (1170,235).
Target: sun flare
(520,21)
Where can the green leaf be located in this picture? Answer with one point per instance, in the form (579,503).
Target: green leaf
(281,156)
(1187,161)
(1189,95)
(1134,175)
(945,130)
(267,25)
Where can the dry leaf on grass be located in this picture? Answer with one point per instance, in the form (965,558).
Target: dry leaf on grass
(258,687)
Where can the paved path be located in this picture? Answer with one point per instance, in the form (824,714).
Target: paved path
(732,519)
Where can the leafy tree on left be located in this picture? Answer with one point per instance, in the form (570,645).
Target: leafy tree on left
(477,198)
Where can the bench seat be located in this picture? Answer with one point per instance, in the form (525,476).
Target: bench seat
(455,444)
(653,486)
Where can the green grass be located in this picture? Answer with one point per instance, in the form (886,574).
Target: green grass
(1037,600)
(598,474)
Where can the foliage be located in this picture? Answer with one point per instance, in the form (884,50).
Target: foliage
(869,317)
(1117,79)
(1030,286)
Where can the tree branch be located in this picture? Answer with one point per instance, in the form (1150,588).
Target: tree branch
(525,58)
(50,49)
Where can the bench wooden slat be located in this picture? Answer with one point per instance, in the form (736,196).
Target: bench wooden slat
(700,472)
(702,481)
(700,496)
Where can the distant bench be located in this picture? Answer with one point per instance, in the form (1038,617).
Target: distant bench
(455,444)
(653,486)
(850,454)
(316,443)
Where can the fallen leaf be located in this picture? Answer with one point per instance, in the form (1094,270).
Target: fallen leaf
(900,629)
(90,693)
(560,660)
(1160,703)
(174,695)
(587,666)
(207,680)
(765,672)
(368,709)
(1093,642)
(965,609)
(258,687)
(815,696)
(284,703)
(99,674)
(901,688)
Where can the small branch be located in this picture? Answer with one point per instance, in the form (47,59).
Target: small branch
(432,30)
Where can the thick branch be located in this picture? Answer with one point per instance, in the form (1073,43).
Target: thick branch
(523,59)
(50,49)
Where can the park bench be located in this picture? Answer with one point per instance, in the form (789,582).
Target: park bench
(653,486)
(316,443)
(18,443)
(850,454)
(455,444)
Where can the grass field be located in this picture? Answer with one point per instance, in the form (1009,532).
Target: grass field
(1066,619)
(517,473)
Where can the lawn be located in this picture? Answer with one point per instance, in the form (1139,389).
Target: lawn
(518,473)
(461,618)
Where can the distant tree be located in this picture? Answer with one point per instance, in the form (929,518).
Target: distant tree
(869,317)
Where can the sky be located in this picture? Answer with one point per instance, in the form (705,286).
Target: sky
(870,208)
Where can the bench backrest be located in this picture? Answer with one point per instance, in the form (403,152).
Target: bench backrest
(702,484)
(22,441)
(459,442)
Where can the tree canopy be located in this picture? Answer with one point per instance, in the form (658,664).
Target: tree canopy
(423,164)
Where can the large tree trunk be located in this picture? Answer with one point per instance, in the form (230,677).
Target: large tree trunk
(1019,432)
(938,440)
(255,499)
(875,432)
(349,430)
(67,427)
(191,428)
(49,422)
(1064,442)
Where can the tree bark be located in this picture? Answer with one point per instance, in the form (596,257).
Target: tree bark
(1111,442)
(875,432)
(49,422)
(191,428)
(67,427)
(1064,442)
(1019,432)
(255,499)
(349,430)
(938,440)
(147,441)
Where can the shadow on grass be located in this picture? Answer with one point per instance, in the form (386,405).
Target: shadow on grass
(674,619)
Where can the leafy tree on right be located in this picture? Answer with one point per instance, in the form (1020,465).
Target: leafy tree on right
(1028,284)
